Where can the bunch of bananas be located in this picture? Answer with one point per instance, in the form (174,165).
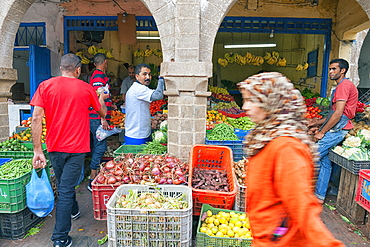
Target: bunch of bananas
(138,53)
(281,62)
(157,53)
(109,54)
(92,50)
(257,60)
(148,52)
(241,60)
(230,57)
(222,61)
(102,50)
(303,66)
(84,60)
(217,90)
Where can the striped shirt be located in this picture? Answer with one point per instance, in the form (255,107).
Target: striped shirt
(100,79)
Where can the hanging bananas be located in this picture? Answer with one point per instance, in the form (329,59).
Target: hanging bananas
(267,56)
(281,62)
(101,50)
(303,66)
(223,62)
(92,50)
(109,54)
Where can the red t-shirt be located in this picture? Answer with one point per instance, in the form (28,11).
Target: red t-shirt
(347,91)
(99,79)
(66,102)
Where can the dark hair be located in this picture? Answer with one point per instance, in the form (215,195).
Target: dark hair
(140,66)
(70,62)
(131,67)
(343,64)
(99,58)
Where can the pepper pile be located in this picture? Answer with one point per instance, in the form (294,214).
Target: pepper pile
(215,116)
(157,105)
(313,112)
(118,119)
(360,107)
(310,102)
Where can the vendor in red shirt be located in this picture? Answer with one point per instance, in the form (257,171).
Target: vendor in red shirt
(65,102)
(336,125)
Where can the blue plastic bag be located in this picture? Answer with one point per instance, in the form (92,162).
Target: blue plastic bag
(39,194)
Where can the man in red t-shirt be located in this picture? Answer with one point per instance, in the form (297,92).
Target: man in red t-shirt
(65,102)
(337,124)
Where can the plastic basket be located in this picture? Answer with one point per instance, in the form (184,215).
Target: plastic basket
(22,154)
(363,189)
(241,133)
(352,166)
(124,149)
(203,239)
(150,227)
(4,160)
(235,145)
(13,193)
(215,158)
(100,195)
(16,225)
(240,198)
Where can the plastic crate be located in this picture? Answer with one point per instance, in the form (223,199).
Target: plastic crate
(241,133)
(124,149)
(240,198)
(100,195)
(243,114)
(22,154)
(363,189)
(352,166)
(13,193)
(150,227)
(16,225)
(211,157)
(235,145)
(4,160)
(203,239)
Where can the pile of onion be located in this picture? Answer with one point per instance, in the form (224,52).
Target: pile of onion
(143,169)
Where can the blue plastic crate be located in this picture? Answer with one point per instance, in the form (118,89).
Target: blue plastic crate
(4,160)
(241,133)
(235,145)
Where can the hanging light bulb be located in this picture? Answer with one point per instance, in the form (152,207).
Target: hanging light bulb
(124,15)
(272,33)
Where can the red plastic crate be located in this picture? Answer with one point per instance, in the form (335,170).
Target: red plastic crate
(100,195)
(215,158)
(363,189)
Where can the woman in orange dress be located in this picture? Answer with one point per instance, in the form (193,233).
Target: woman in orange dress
(282,207)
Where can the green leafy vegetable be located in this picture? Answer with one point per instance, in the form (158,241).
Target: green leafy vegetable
(103,240)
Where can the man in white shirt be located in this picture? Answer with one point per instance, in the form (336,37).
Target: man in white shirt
(138,98)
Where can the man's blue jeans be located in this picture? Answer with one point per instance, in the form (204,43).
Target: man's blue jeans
(67,168)
(330,140)
(99,147)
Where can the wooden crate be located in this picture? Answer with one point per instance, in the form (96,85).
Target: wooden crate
(346,203)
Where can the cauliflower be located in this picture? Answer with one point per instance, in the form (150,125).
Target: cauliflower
(352,141)
(158,136)
(365,133)
(349,151)
(163,124)
(338,149)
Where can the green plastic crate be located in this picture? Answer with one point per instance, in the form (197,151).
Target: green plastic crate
(203,239)
(126,149)
(13,192)
(22,154)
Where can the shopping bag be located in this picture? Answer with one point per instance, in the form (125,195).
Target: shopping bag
(101,133)
(39,194)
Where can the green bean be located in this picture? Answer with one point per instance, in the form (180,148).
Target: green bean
(154,147)
(15,168)
(222,132)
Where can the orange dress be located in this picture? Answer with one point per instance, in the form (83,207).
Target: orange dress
(279,182)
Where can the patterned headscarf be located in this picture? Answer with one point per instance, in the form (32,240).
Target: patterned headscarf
(285,109)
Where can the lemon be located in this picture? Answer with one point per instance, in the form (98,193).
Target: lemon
(210,225)
(233,220)
(209,232)
(236,229)
(236,235)
(203,229)
(223,230)
(214,230)
(238,223)
(248,235)
(209,220)
(231,225)
(219,234)
(222,220)
(230,233)
(216,222)
(247,225)
(209,213)
(204,225)
(242,217)
(241,231)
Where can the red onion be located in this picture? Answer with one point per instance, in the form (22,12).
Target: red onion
(118,178)
(169,181)
(126,179)
(182,178)
(109,165)
(118,172)
(166,169)
(162,181)
(156,171)
(112,180)
(179,173)
(142,167)
(100,179)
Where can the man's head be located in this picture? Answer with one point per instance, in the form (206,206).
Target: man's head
(131,72)
(338,69)
(70,65)
(100,61)
(142,73)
